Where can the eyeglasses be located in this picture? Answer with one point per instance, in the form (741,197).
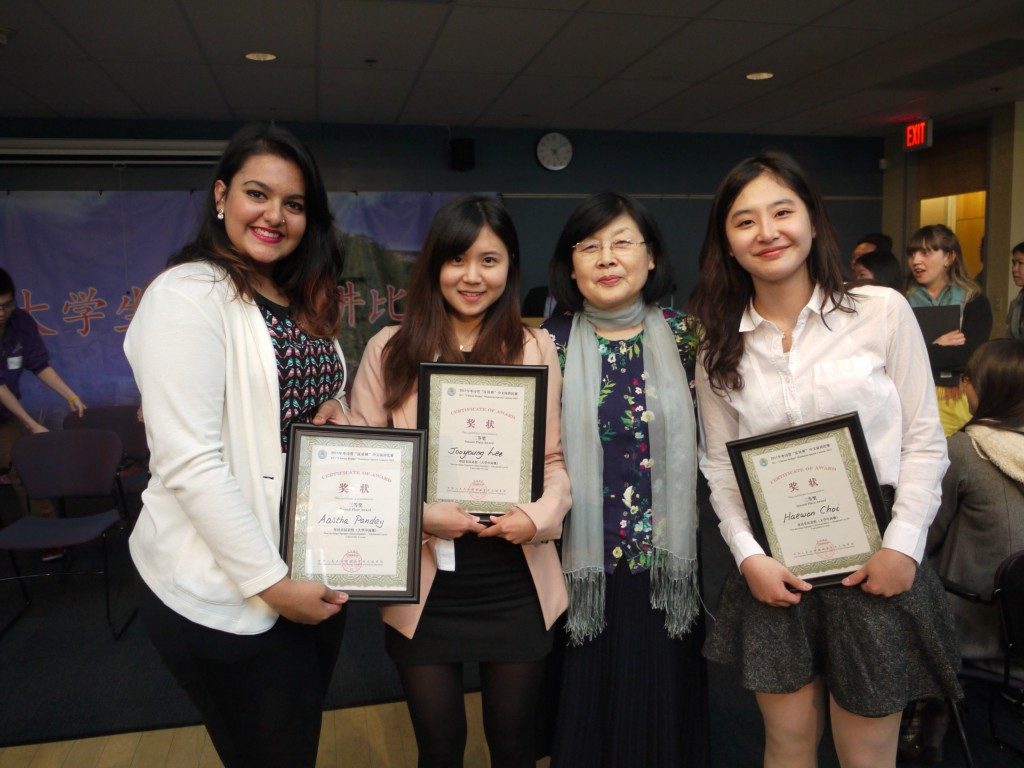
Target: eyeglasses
(620,247)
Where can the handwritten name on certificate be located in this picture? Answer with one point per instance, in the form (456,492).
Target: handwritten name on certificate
(480,429)
(814,504)
(353,524)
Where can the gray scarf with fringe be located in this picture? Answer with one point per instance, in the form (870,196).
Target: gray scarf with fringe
(673,473)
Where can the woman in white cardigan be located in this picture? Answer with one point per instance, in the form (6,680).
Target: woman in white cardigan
(230,346)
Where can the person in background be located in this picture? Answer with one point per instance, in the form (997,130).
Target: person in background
(539,302)
(634,685)
(785,344)
(936,264)
(873,241)
(881,268)
(980,521)
(22,349)
(490,589)
(230,345)
(1015,316)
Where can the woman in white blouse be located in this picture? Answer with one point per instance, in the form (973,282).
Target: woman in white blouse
(786,344)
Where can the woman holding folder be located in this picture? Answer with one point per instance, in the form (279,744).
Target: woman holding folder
(936,263)
(490,588)
(786,344)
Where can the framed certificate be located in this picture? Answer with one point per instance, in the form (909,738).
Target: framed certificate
(812,497)
(485,434)
(354,510)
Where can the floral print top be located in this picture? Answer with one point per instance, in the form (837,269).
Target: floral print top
(622,418)
(309,371)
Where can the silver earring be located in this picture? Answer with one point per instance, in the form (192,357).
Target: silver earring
(220,215)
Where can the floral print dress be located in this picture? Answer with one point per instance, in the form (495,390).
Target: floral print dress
(622,418)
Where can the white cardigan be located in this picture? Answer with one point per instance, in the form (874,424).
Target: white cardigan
(207,539)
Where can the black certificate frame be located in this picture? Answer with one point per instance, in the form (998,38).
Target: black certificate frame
(860,472)
(501,374)
(404,586)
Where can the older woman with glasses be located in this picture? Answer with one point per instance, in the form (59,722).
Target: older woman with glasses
(634,686)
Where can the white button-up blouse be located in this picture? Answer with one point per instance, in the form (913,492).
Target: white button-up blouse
(873,361)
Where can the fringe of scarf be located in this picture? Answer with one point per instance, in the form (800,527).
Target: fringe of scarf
(674,589)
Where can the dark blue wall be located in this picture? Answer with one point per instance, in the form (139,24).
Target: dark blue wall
(676,174)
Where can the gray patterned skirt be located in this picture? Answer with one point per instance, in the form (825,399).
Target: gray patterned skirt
(875,654)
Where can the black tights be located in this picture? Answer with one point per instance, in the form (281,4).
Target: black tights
(436,702)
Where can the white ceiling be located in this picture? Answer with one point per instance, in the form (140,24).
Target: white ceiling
(842,67)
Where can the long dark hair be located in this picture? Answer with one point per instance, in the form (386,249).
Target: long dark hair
(309,275)
(996,370)
(724,289)
(593,214)
(425,331)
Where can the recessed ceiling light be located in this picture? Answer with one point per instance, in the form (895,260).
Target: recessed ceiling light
(760,75)
(260,56)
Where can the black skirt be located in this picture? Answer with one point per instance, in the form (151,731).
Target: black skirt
(485,610)
(632,697)
(875,654)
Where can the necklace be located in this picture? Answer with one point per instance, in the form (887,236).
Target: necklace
(466,344)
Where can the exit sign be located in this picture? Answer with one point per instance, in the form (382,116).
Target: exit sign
(917,135)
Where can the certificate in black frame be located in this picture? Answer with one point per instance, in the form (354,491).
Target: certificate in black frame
(857,469)
(536,379)
(349,535)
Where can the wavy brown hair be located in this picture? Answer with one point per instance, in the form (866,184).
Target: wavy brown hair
(724,289)
(309,275)
(426,333)
(939,237)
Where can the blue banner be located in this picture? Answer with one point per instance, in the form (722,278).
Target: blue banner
(81,260)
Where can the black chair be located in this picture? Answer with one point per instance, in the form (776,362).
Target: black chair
(1008,597)
(72,464)
(133,470)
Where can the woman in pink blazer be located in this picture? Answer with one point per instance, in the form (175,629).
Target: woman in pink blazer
(498,604)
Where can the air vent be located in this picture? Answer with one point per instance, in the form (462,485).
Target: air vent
(106,152)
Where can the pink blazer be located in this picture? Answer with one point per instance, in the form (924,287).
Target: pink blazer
(547,512)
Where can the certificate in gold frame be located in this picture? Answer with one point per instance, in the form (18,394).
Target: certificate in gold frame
(485,432)
(353,511)
(812,497)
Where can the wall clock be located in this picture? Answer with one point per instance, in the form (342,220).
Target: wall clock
(554,151)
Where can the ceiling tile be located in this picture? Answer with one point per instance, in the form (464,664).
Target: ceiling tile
(886,14)
(684,8)
(620,100)
(703,48)
(493,39)
(848,109)
(279,92)
(153,31)
(981,16)
(18,103)
(35,36)
(396,35)
(771,11)
(229,30)
(556,5)
(348,95)
(465,93)
(83,90)
(532,94)
(189,90)
(601,44)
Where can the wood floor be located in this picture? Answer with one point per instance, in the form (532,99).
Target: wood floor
(357,737)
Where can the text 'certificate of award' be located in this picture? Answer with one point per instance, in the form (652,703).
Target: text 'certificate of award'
(354,510)
(485,434)
(812,497)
